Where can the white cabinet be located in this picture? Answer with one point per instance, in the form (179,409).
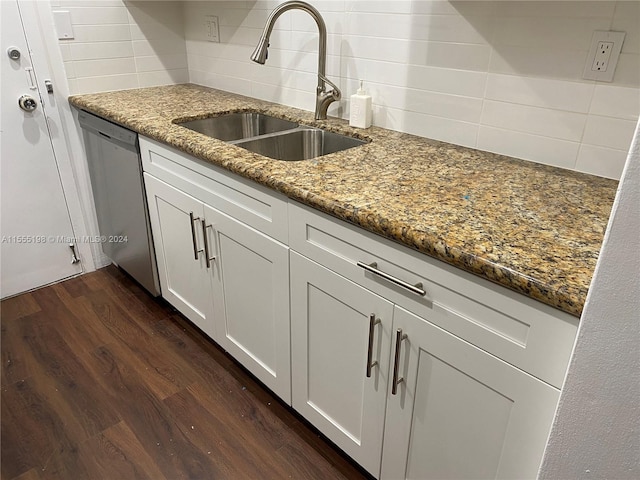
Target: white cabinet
(320,324)
(476,367)
(251,284)
(459,412)
(176,223)
(335,324)
(230,279)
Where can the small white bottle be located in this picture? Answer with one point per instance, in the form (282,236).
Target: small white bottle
(360,109)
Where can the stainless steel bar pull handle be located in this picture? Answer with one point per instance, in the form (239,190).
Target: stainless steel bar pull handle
(396,381)
(207,258)
(193,235)
(373,268)
(372,325)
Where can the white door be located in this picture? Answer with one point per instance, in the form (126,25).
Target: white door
(251,285)
(35,224)
(459,412)
(334,326)
(177,226)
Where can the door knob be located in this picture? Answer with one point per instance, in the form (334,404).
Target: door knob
(27,103)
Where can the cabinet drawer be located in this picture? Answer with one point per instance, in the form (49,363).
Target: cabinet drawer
(253,204)
(525,333)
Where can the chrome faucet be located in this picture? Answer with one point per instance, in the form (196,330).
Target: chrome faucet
(323,97)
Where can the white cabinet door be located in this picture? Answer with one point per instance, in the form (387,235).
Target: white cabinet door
(251,307)
(459,412)
(177,226)
(330,338)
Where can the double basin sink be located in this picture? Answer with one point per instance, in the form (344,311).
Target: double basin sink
(272,137)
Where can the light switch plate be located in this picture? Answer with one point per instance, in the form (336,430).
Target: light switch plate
(603,55)
(62,20)
(211,28)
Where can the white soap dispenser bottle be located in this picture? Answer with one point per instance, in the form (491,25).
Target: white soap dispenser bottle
(360,109)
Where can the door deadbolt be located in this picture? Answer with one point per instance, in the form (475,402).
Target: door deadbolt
(14,53)
(27,103)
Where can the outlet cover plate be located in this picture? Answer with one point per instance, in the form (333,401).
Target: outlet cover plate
(594,69)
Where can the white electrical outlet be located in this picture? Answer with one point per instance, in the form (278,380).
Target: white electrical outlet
(603,55)
(211,28)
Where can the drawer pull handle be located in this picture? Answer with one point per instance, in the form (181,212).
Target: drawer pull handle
(206,243)
(373,268)
(207,258)
(193,236)
(372,325)
(396,381)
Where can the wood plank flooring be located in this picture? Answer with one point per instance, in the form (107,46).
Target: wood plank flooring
(101,381)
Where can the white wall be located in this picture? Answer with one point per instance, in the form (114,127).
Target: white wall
(500,76)
(596,433)
(123,44)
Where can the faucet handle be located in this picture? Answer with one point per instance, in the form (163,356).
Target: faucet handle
(337,94)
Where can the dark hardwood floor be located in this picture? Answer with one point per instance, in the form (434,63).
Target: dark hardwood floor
(101,381)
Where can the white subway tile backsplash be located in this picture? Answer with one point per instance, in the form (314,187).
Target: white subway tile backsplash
(453,107)
(546,150)
(567,9)
(65,51)
(98,15)
(163,77)
(566,33)
(438,128)
(626,19)
(383,25)
(372,48)
(157,46)
(458,56)
(161,63)
(609,132)
(452,28)
(70,70)
(615,101)
(539,62)
(154,12)
(91,3)
(146,31)
(120,45)
(601,161)
(444,80)
(442,105)
(534,120)
(468,8)
(550,151)
(540,92)
(106,83)
(106,66)
(628,70)
(503,76)
(100,50)
(101,33)
(378,6)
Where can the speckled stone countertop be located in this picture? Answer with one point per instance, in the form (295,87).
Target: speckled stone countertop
(531,228)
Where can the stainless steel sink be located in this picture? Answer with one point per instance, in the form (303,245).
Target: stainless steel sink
(237,126)
(300,144)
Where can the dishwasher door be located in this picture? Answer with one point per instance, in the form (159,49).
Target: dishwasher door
(118,190)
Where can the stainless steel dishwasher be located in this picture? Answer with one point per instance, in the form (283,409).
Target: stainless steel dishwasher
(121,205)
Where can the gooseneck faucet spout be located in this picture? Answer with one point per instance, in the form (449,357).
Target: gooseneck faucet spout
(323,97)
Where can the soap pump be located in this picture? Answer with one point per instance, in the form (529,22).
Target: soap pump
(360,109)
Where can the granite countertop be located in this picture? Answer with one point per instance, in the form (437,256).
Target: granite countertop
(529,227)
